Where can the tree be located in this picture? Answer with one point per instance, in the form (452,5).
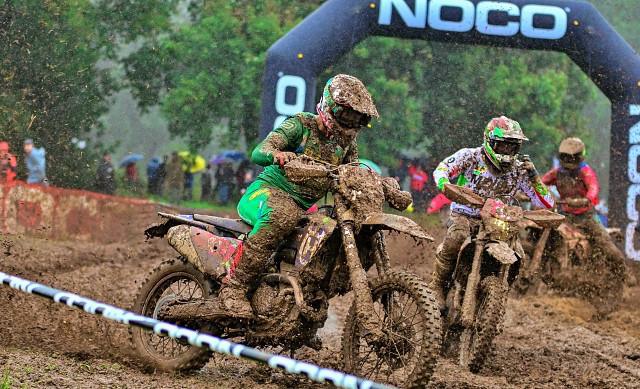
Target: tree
(206,72)
(52,90)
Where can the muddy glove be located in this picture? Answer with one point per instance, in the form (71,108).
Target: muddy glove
(578,202)
(282,157)
(528,165)
(398,199)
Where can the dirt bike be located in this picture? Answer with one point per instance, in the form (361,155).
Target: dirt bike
(392,331)
(487,265)
(565,259)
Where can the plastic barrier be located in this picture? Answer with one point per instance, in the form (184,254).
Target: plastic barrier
(57,213)
(313,372)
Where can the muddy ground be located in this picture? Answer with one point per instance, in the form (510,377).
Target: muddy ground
(548,341)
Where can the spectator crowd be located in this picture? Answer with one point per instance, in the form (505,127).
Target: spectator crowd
(222,180)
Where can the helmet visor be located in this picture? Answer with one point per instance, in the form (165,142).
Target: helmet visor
(350,118)
(504,147)
(570,158)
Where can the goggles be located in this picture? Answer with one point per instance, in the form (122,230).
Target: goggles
(505,147)
(571,158)
(350,118)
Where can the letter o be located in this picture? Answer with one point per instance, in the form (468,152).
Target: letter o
(632,165)
(559,27)
(464,25)
(482,18)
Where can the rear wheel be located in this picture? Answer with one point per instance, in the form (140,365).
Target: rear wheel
(476,342)
(173,280)
(410,318)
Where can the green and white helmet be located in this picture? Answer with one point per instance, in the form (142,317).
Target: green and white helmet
(502,140)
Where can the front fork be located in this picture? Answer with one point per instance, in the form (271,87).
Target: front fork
(357,275)
(471,291)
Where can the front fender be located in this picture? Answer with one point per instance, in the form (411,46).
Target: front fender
(502,252)
(397,223)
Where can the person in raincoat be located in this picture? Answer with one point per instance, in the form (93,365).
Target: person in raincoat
(36,163)
(105,176)
(174,178)
(273,205)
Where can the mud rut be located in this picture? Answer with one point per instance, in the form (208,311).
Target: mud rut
(547,341)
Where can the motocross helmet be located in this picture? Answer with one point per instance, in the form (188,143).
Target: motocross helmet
(571,153)
(502,140)
(346,105)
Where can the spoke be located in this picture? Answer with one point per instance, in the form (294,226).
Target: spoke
(417,312)
(405,306)
(364,360)
(413,342)
(395,345)
(375,367)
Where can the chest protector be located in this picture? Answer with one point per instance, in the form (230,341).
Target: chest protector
(570,184)
(319,147)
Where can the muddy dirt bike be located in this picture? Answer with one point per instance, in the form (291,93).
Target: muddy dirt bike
(487,265)
(392,331)
(565,259)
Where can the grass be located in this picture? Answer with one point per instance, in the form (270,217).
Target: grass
(5,383)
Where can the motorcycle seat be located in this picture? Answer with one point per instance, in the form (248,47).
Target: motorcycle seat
(235,225)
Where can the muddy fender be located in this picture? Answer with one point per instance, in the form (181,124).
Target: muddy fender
(397,223)
(502,252)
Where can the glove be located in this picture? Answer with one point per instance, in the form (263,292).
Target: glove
(282,157)
(578,202)
(528,165)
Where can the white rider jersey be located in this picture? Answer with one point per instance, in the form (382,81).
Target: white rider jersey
(472,171)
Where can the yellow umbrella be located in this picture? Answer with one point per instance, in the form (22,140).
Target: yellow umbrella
(192,163)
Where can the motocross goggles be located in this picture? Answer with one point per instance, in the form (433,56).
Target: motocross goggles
(505,147)
(570,158)
(350,118)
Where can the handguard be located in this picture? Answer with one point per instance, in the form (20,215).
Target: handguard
(397,198)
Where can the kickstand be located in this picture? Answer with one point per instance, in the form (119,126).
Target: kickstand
(292,353)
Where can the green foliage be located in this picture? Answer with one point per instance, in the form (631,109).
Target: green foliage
(52,90)
(206,72)
(436,97)
(5,382)
(201,63)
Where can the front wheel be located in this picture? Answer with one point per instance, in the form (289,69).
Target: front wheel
(476,342)
(410,319)
(172,281)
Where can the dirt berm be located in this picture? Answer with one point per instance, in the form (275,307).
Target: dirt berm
(548,341)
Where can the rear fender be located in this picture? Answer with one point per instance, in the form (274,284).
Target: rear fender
(211,254)
(397,223)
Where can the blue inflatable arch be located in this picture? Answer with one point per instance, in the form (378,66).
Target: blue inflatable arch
(573,27)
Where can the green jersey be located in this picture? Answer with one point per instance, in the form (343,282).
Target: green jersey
(300,134)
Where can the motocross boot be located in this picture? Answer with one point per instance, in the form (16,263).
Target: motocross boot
(440,277)
(233,293)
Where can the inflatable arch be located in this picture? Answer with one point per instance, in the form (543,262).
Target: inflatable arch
(573,27)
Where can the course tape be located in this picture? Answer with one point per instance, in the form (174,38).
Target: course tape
(313,372)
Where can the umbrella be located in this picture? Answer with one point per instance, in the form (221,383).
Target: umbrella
(234,155)
(192,162)
(227,156)
(131,158)
(154,163)
(365,163)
